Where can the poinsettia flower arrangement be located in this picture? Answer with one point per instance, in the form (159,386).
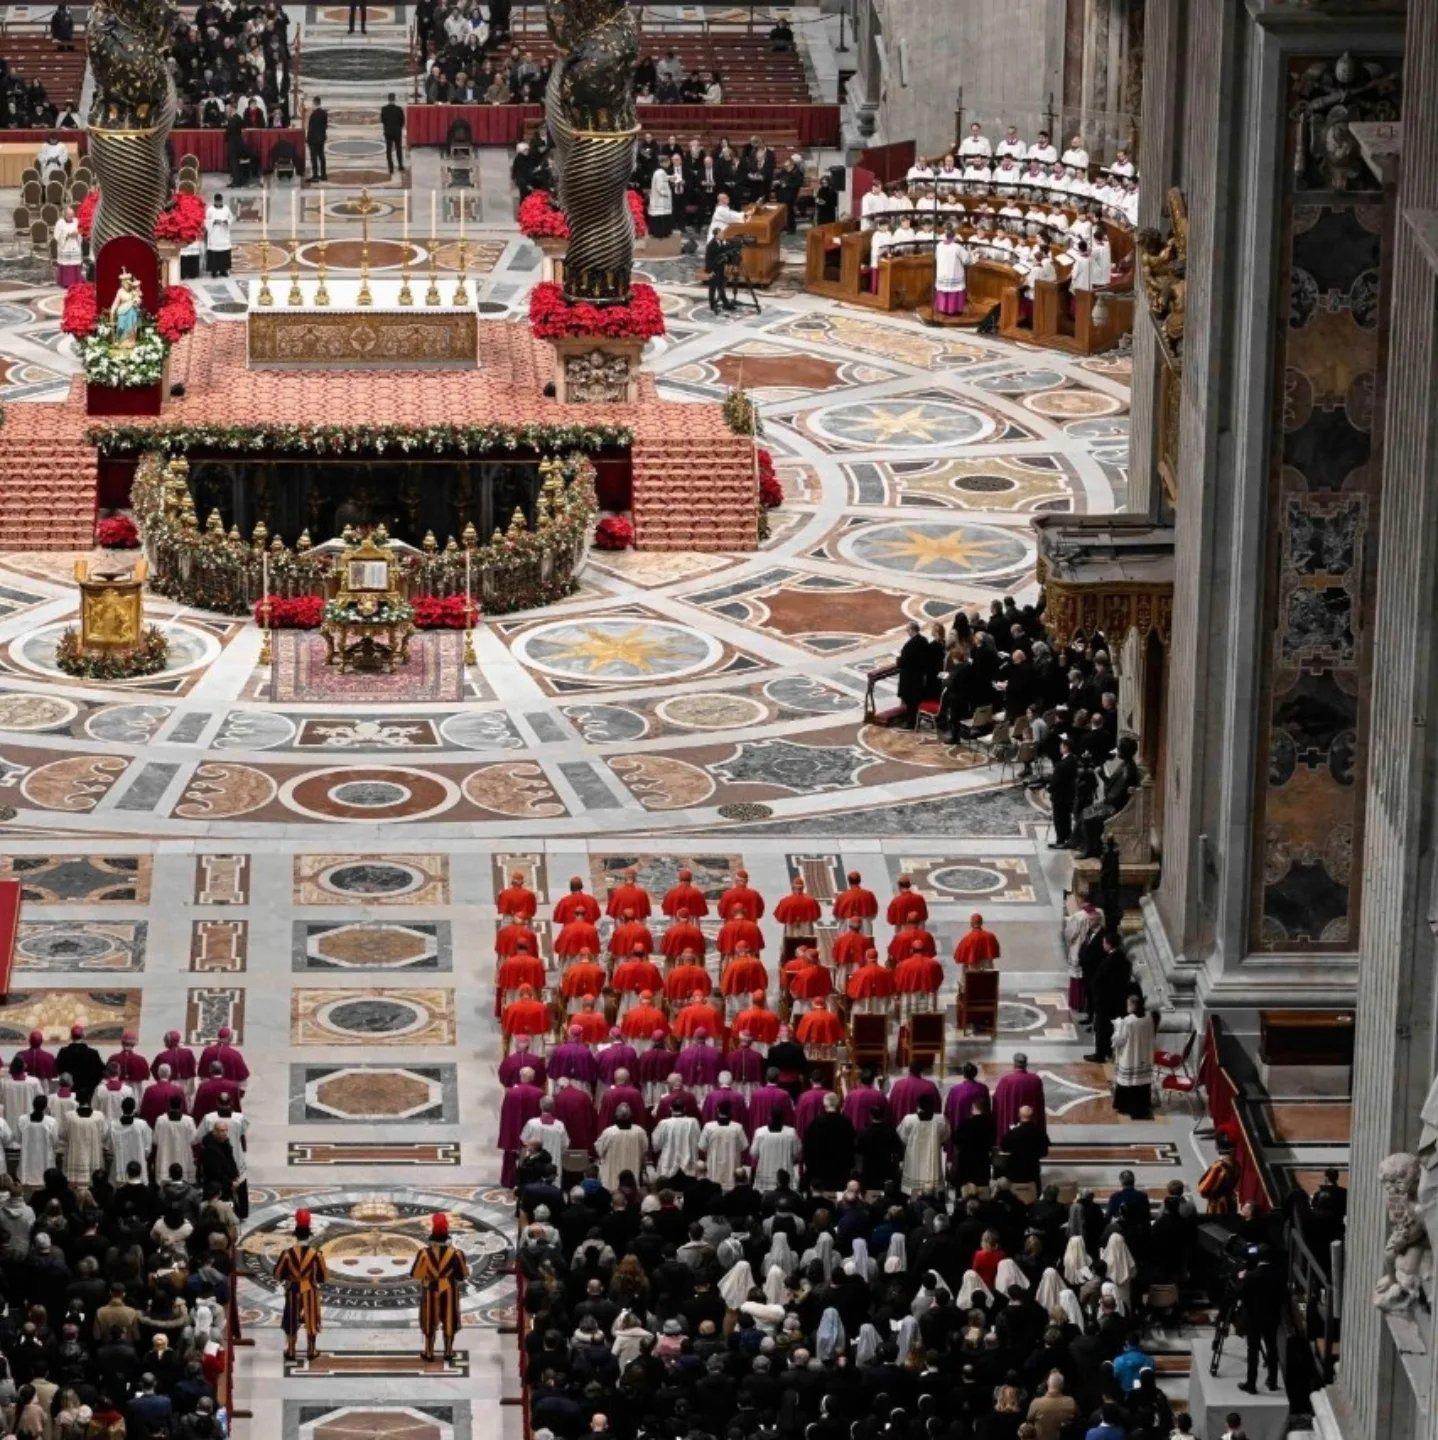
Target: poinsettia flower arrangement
(541,219)
(444,612)
(771,492)
(117,532)
(181,222)
(290,612)
(614,532)
(143,363)
(552,317)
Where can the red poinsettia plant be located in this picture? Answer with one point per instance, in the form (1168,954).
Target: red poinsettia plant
(771,492)
(117,532)
(541,219)
(444,612)
(552,317)
(290,612)
(174,318)
(85,215)
(613,532)
(180,223)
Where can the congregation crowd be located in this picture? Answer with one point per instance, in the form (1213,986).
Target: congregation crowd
(122,1202)
(231,64)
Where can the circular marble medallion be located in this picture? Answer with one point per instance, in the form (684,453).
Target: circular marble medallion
(808,696)
(599,724)
(372,1015)
(615,651)
(23,711)
(481,730)
(984,484)
(1020,382)
(360,879)
(712,712)
(356,795)
(72,946)
(254,730)
(938,549)
(369,1237)
(190,649)
(133,723)
(1072,404)
(902,424)
(966,880)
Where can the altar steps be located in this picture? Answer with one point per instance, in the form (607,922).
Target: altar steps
(695,494)
(47,483)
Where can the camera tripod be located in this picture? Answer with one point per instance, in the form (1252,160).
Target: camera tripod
(1222,1324)
(734,278)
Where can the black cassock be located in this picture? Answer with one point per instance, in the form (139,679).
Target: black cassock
(914,670)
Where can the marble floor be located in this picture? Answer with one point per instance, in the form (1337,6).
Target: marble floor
(320,874)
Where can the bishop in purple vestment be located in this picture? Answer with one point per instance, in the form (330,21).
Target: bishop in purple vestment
(574,1060)
(1015,1090)
(810,1107)
(573,1106)
(621,1055)
(520,1106)
(699,1064)
(724,1093)
(905,1094)
(521,1058)
(769,1099)
(622,1093)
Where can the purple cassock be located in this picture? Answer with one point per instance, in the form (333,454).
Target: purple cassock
(232,1063)
(745,1064)
(573,1106)
(769,1100)
(1015,1090)
(859,1106)
(573,1060)
(39,1062)
(723,1095)
(675,1102)
(619,1056)
(134,1068)
(809,1108)
(656,1066)
(518,1060)
(155,1102)
(180,1059)
(616,1096)
(699,1064)
(960,1100)
(520,1106)
(905,1094)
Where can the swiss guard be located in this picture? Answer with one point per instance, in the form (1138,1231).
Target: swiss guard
(301,1270)
(440,1269)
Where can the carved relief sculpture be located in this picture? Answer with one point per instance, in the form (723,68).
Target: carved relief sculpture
(598,376)
(1408,1259)
(131,115)
(1327,96)
(589,109)
(1163,270)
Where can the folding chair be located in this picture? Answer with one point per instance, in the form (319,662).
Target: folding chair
(1024,753)
(21,236)
(977,724)
(283,161)
(978,1003)
(868,1041)
(55,192)
(928,715)
(32,195)
(39,237)
(190,162)
(1175,1062)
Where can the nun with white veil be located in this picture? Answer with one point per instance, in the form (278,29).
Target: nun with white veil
(863,1261)
(822,1251)
(776,1285)
(728,1253)
(781,1253)
(972,1286)
(932,1286)
(908,1337)
(1008,1275)
(830,1341)
(896,1257)
(866,1347)
(738,1281)
(1077,1261)
(1073,1311)
(1114,1293)
(1050,1291)
(1121,1268)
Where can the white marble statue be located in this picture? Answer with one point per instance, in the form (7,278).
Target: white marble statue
(1408,1258)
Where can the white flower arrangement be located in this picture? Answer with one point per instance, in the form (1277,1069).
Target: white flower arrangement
(142,363)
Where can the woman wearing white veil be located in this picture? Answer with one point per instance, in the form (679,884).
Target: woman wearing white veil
(781,1253)
(1116,1295)
(908,1337)
(1073,1311)
(866,1347)
(821,1250)
(736,1285)
(972,1285)
(896,1257)
(775,1285)
(932,1285)
(1051,1288)
(729,1253)
(1121,1267)
(1077,1261)
(863,1261)
(830,1340)
(1008,1275)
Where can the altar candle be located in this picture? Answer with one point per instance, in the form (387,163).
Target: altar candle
(406,216)
(433,201)
(265,583)
(322,217)
(295,215)
(461,217)
(264,216)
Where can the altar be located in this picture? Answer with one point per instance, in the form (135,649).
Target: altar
(384,334)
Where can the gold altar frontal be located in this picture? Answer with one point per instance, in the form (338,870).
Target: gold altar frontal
(383,334)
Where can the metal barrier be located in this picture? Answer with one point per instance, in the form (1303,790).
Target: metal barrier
(1316,1293)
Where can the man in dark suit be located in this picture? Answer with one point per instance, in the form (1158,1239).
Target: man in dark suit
(714,264)
(317,130)
(1025,1143)
(391,120)
(363,18)
(235,146)
(915,668)
(148,1416)
(1063,785)
(424,25)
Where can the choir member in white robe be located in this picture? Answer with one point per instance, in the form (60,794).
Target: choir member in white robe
(721,1143)
(675,1144)
(949,172)
(1133,1060)
(1102,256)
(1043,149)
(899,203)
(976,171)
(39,1135)
(548,1132)
(904,236)
(175,1144)
(920,170)
(1007,176)
(1129,203)
(1033,177)
(1076,155)
(950,274)
(62,1102)
(661,203)
(623,1146)
(774,1148)
(1122,165)
(17,1094)
(924,1135)
(879,242)
(1011,147)
(131,1140)
(84,1138)
(874,204)
(976,142)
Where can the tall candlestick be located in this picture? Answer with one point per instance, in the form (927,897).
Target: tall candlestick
(433,199)
(265,606)
(406,216)
(295,215)
(264,215)
(460,195)
(469,657)
(322,217)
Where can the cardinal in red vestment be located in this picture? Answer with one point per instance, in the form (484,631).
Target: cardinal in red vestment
(977,946)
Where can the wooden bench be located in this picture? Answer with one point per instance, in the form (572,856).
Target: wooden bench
(1306,1037)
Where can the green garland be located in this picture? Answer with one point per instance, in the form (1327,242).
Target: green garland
(149,658)
(357,439)
(518,569)
(383,614)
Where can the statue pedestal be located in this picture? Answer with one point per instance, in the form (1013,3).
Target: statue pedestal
(593,369)
(125,400)
(553,248)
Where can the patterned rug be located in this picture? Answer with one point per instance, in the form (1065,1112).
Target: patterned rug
(435,672)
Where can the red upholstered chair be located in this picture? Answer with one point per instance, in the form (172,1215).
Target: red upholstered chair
(1176,1062)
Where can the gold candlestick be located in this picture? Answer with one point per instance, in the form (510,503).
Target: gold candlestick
(264,297)
(432,295)
(296,296)
(365,206)
(461,296)
(322,295)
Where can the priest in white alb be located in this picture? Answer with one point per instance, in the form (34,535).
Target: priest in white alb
(774,1148)
(950,274)
(675,1142)
(623,1146)
(721,1146)
(548,1131)
(924,1133)
(84,1139)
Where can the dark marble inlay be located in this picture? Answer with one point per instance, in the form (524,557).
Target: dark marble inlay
(368,878)
(147,788)
(592,791)
(371,1017)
